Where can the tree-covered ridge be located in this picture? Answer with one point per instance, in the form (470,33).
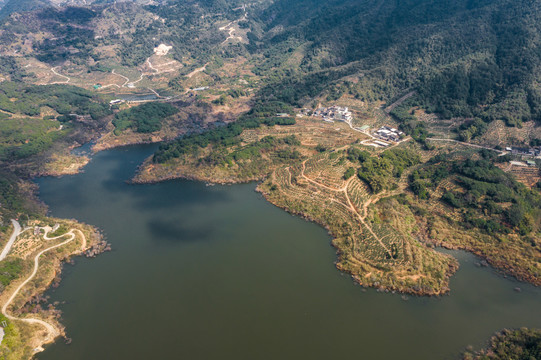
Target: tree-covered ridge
(21,98)
(381,173)
(12,6)
(522,344)
(13,198)
(489,199)
(145,118)
(23,137)
(228,135)
(24,131)
(465,58)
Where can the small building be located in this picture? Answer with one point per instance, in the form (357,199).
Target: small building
(389,134)
(531,163)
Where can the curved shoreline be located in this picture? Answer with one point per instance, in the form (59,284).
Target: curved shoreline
(260,179)
(503,268)
(52,331)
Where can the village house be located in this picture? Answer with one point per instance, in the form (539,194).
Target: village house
(334,113)
(524,151)
(388,133)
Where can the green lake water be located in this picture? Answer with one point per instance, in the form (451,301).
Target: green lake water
(201,272)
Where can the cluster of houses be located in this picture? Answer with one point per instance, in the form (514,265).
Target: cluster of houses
(388,133)
(534,151)
(334,113)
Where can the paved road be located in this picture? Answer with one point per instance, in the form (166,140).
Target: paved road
(52,331)
(16,232)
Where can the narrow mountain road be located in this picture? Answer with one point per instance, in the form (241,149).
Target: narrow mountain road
(68,79)
(398,102)
(52,331)
(14,234)
(468,144)
(198,70)
(127,80)
(231,29)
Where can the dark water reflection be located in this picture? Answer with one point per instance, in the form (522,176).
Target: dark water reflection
(202,272)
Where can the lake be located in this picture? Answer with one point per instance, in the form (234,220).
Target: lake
(216,272)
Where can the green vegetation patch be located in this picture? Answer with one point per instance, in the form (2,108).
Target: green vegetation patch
(523,344)
(222,156)
(144,118)
(19,98)
(13,200)
(23,137)
(10,349)
(62,229)
(10,270)
(380,172)
(228,135)
(489,198)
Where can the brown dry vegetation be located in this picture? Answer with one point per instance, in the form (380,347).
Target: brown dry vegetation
(378,253)
(529,176)
(499,134)
(441,225)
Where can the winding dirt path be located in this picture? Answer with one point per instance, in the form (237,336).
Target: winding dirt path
(52,331)
(198,70)
(68,79)
(349,205)
(398,102)
(231,30)
(122,76)
(155,71)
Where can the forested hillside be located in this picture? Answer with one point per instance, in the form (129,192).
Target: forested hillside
(11,6)
(465,58)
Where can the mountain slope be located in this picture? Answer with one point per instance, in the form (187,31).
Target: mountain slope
(13,6)
(459,55)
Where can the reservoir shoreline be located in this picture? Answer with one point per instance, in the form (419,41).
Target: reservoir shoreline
(229,229)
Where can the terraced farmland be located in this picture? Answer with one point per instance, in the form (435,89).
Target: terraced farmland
(376,254)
